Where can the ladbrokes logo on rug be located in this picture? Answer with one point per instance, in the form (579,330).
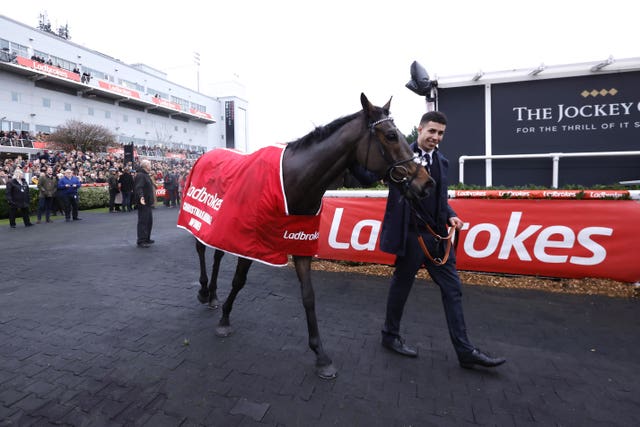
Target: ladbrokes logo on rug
(300,235)
(201,195)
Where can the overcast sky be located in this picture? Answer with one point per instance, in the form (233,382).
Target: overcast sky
(302,64)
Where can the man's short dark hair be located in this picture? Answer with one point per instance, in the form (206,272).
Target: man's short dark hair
(434,116)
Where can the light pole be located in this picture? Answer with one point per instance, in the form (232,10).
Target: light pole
(196,59)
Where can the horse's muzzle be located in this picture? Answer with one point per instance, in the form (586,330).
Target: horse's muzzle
(413,191)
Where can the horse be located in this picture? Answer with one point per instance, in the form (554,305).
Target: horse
(309,166)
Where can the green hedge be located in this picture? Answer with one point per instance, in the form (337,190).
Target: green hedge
(90,198)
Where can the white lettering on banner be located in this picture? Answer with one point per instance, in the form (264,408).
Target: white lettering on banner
(369,245)
(514,240)
(201,195)
(333,233)
(301,235)
(197,212)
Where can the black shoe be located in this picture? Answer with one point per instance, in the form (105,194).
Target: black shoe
(77,219)
(151,241)
(28,225)
(12,226)
(397,344)
(144,245)
(477,357)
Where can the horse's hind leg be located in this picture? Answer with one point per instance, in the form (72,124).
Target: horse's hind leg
(239,279)
(203,293)
(208,291)
(324,365)
(213,283)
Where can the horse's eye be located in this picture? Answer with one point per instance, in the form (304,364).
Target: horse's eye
(391,135)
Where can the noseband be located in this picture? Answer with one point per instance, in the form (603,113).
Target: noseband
(397,172)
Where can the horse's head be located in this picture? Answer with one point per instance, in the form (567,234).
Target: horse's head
(388,153)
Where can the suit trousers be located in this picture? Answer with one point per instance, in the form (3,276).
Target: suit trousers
(145,223)
(445,276)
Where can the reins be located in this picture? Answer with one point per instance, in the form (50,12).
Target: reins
(438,238)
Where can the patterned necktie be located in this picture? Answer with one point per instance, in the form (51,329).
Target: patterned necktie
(427,162)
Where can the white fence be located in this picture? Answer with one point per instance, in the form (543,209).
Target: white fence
(554,156)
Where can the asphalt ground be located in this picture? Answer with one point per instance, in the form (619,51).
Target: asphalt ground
(97,332)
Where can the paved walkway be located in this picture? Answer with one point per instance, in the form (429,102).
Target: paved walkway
(96,332)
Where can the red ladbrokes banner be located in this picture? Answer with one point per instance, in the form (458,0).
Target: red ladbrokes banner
(235,202)
(555,238)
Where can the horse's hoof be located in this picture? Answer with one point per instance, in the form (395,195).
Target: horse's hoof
(328,372)
(214,304)
(223,331)
(203,298)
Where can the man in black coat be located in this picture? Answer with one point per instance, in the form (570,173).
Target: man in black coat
(403,225)
(126,188)
(17,195)
(144,196)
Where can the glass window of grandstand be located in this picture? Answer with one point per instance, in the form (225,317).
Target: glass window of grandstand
(125,118)
(46,102)
(198,107)
(90,111)
(15,96)
(107,114)
(67,106)
(19,49)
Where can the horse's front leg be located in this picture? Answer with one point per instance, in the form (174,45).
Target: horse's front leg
(324,365)
(239,279)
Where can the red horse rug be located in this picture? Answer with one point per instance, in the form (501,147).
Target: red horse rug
(236,202)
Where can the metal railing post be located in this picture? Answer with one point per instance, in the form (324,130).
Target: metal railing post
(556,167)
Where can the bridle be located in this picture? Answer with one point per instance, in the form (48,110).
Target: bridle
(397,172)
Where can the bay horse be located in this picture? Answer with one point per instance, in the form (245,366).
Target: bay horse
(309,166)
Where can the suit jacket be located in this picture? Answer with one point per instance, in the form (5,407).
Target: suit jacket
(435,209)
(143,187)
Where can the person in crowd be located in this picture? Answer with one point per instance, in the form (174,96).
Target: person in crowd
(126,189)
(4,178)
(47,187)
(101,178)
(144,193)
(68,187)
(171,183)
(114,189)
(405,229)
(17,195)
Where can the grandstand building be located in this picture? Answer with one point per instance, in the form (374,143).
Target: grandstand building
(46,80)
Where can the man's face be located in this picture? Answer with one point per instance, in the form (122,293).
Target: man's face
(430,135)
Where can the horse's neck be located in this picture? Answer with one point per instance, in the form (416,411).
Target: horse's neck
(309,172)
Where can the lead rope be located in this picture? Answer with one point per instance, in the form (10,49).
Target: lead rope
(436,260)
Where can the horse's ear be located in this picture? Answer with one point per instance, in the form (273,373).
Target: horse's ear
(387,106)
(366,105)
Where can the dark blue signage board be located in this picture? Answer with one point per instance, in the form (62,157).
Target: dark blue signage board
(596,113)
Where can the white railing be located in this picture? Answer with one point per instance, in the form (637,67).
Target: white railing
(554,156)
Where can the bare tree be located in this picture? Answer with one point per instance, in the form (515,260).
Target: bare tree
(76,135)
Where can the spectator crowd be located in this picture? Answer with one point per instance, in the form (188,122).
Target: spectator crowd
(170,169)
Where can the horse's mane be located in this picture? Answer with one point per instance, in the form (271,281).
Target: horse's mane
(322,132)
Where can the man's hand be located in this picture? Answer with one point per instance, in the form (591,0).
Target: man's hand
(456,222)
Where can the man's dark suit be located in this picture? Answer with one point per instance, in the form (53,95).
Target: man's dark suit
(398,236)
